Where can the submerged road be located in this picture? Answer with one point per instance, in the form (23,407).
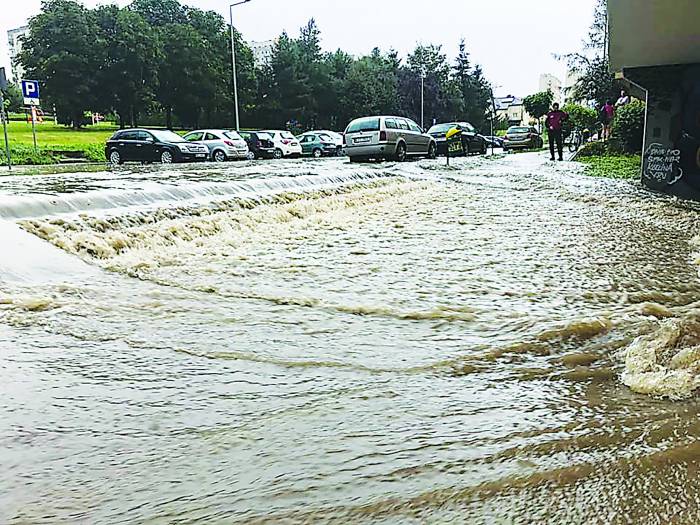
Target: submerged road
(502,341)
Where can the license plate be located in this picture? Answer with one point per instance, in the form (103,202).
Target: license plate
(361,140)
(201,155)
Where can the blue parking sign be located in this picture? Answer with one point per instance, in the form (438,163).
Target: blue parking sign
(30,90)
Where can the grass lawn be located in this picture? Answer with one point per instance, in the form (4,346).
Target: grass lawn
(615,167)
(88,143)
(49,134)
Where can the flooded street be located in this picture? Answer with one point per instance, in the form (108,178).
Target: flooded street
(322,342)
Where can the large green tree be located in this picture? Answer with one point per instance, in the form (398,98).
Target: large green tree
(65,50)
(473,88)
(129,77)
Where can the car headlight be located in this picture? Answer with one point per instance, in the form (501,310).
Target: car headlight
(183,148)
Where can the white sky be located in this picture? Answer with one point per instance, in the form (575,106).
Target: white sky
(513,40)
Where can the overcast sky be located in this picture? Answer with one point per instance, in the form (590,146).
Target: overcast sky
(512,39)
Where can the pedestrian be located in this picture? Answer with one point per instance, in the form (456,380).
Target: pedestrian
(623,100)
(555,122)
(607,114)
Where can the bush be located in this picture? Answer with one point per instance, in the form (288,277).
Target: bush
(581,117)
(593,149)
(628,128)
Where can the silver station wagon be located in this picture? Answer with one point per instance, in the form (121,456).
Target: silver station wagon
(387,138)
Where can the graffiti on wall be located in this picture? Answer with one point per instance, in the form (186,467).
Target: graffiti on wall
(662,164)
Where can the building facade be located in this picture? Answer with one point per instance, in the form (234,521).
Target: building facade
(14,40)
(511,110)
(553,84)
(655,51)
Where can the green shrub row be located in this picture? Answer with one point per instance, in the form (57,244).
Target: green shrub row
(25,154)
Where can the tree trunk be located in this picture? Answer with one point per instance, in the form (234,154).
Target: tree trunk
(169,118)
(133,118)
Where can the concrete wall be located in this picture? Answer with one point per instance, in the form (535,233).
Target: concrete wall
(671,161)
(653,32)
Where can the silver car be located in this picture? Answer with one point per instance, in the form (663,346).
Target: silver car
(387,138)
(222,144)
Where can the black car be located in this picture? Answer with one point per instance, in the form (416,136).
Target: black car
(472,142)
(152,145)
(260,144)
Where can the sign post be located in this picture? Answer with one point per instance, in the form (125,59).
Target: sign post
(453,138)
(3,116)
(30,91)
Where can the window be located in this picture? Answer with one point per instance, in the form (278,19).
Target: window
(233,135)
(164,135)
(129,135)
(403,124)
(467,127)
(210,136)
(193,136)
(390,123)
(307,138)
(363,124)
(414,127)
(144,136)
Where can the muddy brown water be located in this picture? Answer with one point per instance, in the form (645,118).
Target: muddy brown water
(504,341)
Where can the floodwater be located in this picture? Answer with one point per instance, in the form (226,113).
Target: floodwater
(504,341)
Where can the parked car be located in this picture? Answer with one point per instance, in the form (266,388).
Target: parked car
(260,145)
(472,142)
(222,144)
(338,139)
(317,144)
(152,145)
(387,138)
(492,139)
(286,144)
(525,137)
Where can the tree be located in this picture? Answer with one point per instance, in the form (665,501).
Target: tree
(473,89)
(581,117)
(12,95)
(128,79)
(65,49)
(158,13)
(538,104)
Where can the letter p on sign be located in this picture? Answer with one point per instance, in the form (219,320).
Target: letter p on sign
(30,90)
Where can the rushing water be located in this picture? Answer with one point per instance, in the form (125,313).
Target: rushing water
(504,341)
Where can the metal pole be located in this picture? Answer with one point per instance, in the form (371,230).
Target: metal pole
(34,127)
(422,99)
(3,116)
(233,64)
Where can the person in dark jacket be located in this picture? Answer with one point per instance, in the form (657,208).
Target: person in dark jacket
(555,122)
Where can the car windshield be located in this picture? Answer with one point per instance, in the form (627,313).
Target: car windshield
(163,135)
(517,129)
(287,135)
(264,136)
(325,138)
(232,135)
(441,128)
(363,124)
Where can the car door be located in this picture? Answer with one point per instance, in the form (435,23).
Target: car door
(419,141)
(126,145)
(145,146)
(211,141)
(307,144)
(404,132)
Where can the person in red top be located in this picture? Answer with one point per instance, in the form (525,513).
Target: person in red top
(607,114)
(555,122)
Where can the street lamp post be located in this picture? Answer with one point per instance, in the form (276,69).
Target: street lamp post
(422,98)
(233,62)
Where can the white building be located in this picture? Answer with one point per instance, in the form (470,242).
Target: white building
(512,110)
(262,52)
(553,84)
(14,41)
(572,77)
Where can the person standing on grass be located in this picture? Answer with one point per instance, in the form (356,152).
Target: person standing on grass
(555,122)
(607,114)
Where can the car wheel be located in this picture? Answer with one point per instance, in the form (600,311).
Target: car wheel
(219,156)
(484,148)
(317,153)
(278,154)
(166,157)
(115,158)
(401,152)
(432,151)
(250,155)
(339,151)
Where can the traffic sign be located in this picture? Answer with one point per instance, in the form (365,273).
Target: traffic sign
(30,90)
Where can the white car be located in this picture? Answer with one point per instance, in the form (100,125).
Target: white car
(222,144)
(286,144)
(337,139)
